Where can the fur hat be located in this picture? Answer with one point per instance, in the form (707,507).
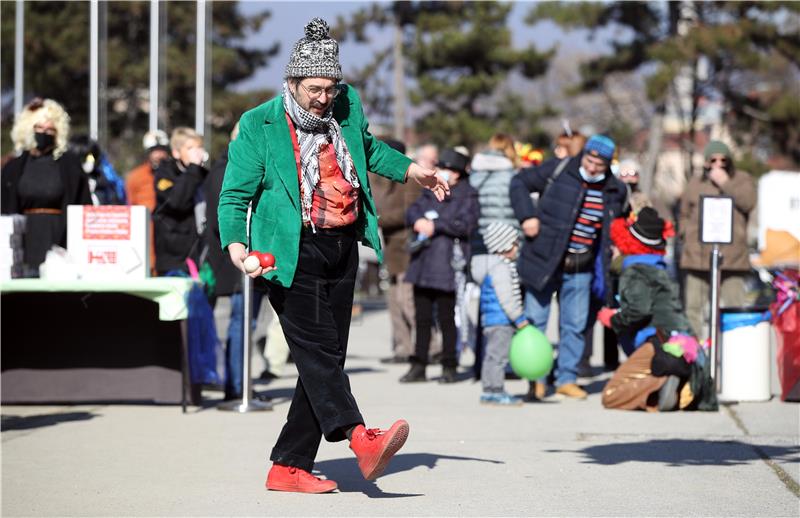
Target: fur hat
(646,234)
(316,55)
(601,147)
(499,237)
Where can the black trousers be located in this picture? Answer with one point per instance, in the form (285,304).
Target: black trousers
(424,299)
(315,315)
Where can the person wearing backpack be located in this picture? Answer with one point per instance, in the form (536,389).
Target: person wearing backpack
(564,232)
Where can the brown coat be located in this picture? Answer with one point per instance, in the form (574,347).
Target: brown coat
(696,256)
(392,199)
(633,387)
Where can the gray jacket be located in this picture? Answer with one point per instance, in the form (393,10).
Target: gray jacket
(490,175)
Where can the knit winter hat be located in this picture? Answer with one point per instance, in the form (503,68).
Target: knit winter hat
(499,237)
(316,55)
(600,146)
(715,147)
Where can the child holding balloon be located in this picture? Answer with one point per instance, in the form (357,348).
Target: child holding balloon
(501,308)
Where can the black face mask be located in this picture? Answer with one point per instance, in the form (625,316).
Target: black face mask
(44,141)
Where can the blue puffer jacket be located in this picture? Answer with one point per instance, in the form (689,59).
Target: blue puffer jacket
(458,215)
(501,301)
(541,257)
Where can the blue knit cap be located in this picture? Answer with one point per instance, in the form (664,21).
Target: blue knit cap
(600,146)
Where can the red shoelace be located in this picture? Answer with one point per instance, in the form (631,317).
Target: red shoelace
(372,433)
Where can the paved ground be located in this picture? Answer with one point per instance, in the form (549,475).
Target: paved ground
(555,458)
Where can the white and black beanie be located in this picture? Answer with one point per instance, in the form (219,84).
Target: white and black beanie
(316,55)
(499,237)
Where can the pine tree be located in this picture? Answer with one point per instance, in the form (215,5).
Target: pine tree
(57,66)
(745,53)
(459,56)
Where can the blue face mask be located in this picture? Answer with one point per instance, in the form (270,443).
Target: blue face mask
(445,175)
(591,179)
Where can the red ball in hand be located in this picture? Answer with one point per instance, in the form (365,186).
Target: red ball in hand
(266,259)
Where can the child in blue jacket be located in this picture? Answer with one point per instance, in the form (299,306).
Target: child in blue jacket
(501,308)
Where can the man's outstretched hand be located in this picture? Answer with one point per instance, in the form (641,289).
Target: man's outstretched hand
(430,180)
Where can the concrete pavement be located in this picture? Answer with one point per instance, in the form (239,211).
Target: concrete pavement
(555,458)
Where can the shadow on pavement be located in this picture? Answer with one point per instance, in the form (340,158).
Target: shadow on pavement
(685,452)
(29,422)
(346,473)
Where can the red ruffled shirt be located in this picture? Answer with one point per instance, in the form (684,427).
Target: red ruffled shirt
(334,202)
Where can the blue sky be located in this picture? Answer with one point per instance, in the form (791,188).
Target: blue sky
(288,19)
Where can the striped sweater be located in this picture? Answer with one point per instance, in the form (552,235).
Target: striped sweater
(589,222)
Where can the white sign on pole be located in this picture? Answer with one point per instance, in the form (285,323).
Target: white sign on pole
(716,220)
(109,241)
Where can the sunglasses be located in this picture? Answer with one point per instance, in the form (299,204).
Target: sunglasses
(718,160)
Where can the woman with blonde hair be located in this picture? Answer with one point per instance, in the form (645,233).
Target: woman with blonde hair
(43,179)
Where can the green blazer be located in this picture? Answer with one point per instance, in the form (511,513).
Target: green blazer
(262,169)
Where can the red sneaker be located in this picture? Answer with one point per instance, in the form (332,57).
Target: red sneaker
(374,448)
(290,478)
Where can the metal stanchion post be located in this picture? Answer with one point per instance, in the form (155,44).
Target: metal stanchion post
(716,345)
(246,404)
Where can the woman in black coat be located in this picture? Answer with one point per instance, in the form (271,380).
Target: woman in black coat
(441,227)
(43,180)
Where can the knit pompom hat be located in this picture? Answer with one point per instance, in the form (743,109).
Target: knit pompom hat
(499,237)
(316,55)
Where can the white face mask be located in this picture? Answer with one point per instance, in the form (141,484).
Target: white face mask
(591,179)
(88,166)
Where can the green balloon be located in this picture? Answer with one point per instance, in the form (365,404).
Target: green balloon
(531,355)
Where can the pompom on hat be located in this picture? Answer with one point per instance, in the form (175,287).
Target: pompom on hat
(316,55)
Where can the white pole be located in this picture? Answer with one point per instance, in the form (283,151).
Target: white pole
(716,349)
(19,56)
(94,61)
(200,69)
(153,65)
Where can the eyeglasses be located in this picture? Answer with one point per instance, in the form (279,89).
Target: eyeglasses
(626,173)
(314,91)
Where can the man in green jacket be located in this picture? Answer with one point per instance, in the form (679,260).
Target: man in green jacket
(301,162)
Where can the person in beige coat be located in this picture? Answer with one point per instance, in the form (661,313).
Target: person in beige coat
(719,178)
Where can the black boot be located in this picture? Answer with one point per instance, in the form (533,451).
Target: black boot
(415,374)
(448,375)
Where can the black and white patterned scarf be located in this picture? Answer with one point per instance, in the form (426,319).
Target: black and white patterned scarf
(312,133)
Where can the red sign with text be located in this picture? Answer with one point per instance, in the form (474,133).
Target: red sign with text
(107,222)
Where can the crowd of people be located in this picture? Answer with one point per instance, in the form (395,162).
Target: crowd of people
(477,246)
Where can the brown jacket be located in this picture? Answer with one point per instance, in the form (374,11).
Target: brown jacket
(696,256)
(633,386)
(392,199)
